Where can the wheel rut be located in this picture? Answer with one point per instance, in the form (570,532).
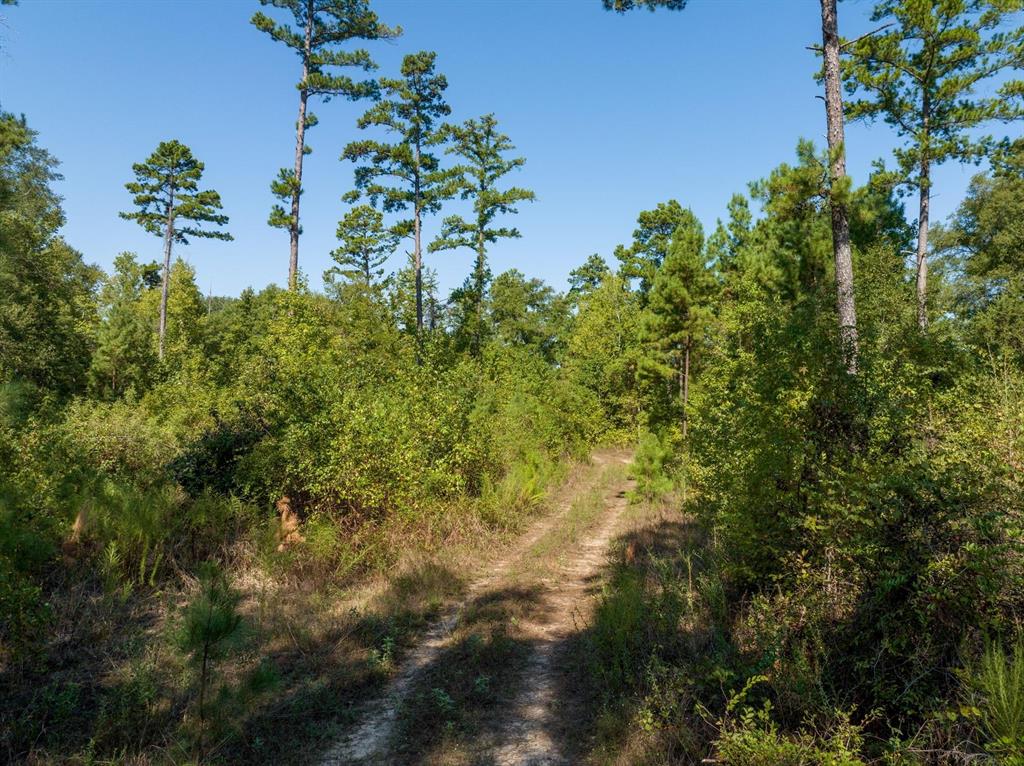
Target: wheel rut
(528,729)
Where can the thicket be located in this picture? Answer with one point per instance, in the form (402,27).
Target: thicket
(846,586)
(850,588)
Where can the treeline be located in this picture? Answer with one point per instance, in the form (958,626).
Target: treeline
(849,589)
(850,592)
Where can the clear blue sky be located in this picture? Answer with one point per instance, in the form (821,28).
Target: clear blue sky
(613,113)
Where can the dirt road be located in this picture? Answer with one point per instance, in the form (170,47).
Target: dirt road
(558,561)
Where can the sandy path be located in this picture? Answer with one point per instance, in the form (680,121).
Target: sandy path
(524,737)
(531,727)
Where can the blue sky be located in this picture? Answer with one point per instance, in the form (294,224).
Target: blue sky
(613,113)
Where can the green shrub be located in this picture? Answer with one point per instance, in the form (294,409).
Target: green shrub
(652,468)
(752,738)
(995,697)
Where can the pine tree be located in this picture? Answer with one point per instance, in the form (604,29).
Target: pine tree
(679,305)
(365,245)
(651,239)
(621,6)
(410,109)
(920,75)
(414,297)
(839,184)
(210,624)
(321,27)
(482,150)
(170,204)
(842,252)
(584,279)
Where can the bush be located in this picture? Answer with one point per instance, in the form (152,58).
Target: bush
(652,468)
(994,689)
(752,738)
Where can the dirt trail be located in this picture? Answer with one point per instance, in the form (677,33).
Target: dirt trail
(526,735)
(533,726)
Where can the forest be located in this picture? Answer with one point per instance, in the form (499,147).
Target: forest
(750,494)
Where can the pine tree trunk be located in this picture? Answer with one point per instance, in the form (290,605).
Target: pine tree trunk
(300,152)
(837,161)
(418,267)
(168,240)
(922,253)
(417,254)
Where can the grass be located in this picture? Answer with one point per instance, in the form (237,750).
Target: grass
(330,628)
(644,600)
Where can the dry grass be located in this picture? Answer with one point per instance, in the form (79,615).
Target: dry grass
(109,686)
(456,704)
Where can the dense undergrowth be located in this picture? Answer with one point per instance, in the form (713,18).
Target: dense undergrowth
(254,527)
(845,583)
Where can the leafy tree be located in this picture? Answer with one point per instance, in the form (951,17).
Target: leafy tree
(410,109)
(679,307)
(185,309)
(482,150)
(651,241)
(124,358)
(527,312)
(47,309)
(365,245)
(921,76)
(603,351)
(170,204)
(321,27)
(985,241)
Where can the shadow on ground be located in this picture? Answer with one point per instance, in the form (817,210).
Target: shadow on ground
(456,713)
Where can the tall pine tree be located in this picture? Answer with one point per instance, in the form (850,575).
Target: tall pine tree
(651,239)
(406,174)
(839,185)
(482,149)
(321,27)
(170,205)
(679,306)
(920,75)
